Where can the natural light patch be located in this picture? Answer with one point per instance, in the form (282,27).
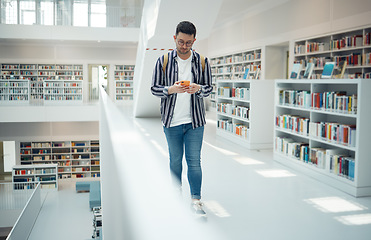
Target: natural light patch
(221,150)
(216,208)
(275,173)
(360,219)
(159,148)
(247,161)
(334,204)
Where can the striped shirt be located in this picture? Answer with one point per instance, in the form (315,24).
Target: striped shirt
(161,83)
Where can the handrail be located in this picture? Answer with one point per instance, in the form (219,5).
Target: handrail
(26,220)
(138,200)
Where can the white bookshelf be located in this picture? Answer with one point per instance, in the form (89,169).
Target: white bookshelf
(41,83)
(352,175)
(233,66)
(62,91)
(253,127)
(353,46)
(124,75)
(14,91)
(75,159)
(46,174)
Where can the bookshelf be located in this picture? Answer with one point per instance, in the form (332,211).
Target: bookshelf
(233,66)
(124,75)
(41,83)
(353,46)
(322,128)
(46,174)
(75,159)
(14,91)
(244,113)
(62,91)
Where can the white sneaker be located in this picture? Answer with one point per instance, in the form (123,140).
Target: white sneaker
(196,207)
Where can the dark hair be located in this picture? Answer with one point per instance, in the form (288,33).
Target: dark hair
(186,27)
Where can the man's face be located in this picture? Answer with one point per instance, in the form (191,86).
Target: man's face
(184,43)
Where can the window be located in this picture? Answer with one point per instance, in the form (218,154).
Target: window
(46,12)
(63,13)
(9,9)
(27,12)
(98,13)
(80,13)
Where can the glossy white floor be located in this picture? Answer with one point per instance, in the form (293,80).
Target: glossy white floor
(247,195)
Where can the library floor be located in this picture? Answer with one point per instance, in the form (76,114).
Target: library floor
(247,195)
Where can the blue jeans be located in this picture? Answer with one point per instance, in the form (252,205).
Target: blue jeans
(180,138)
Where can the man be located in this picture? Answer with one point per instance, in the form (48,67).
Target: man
(182,106)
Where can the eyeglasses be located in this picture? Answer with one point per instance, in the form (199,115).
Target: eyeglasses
(188,44)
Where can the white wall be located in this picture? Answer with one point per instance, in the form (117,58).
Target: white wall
(294,19)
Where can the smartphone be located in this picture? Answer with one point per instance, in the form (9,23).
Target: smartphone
(184,83)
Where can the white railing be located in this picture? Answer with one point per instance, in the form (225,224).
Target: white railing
(13,197)
(29,196)
(138,199)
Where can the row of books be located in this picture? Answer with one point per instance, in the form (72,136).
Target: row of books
(41,158)
(17,98)
(329,101)
(24,172)
(9,72)
(42,179)
(127,91)
(330,70)
(355,75)
(20,180)
(130,74)
(124,67)
(126,78)
(73,84)
(338,133)
(235,128)
(334,161)
(9,66)
(317,47)
(124,97)
(74,73)
(123,85)
(344,134)
(293,123)
(41,67)
(353,59)
(251,56)
(224,91)
(335,44)
(337,101)
(62,98)
(238,111)
(241,93)
(346,42)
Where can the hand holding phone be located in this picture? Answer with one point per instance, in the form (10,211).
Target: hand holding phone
(185,83)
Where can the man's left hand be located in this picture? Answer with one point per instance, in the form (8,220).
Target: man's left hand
(193,88)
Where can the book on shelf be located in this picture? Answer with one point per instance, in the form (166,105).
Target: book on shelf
(341,69)
(257,72)
(296,68)
(308,70)
(246,73)
(328,70)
